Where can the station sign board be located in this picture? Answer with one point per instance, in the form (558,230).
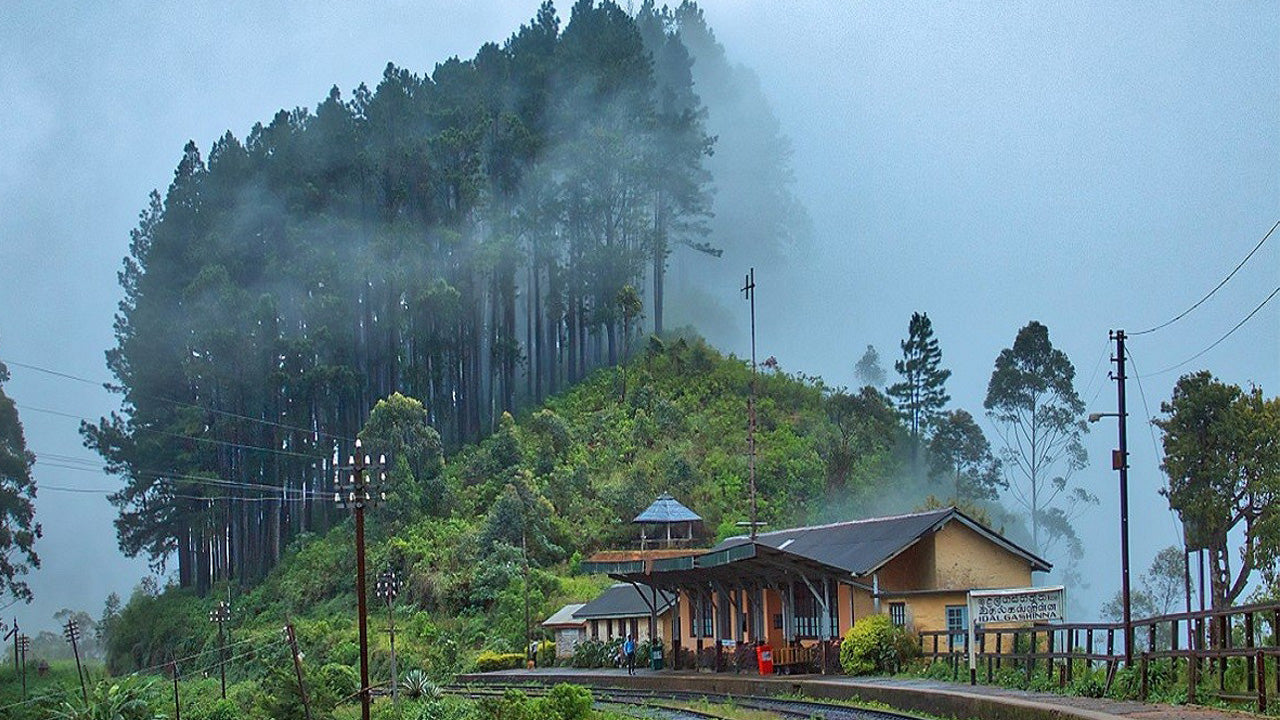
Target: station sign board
(1017,605)
(1010,606)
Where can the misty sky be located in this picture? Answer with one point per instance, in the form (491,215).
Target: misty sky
(1089,167)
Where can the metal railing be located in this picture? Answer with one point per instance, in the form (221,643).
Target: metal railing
(1203,641)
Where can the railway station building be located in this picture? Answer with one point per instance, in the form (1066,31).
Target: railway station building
(803,588)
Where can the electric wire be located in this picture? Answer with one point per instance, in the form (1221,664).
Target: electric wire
(180,403)
(1219,341)
(181,436)
(288,493)
(1217,287)
(1155,446)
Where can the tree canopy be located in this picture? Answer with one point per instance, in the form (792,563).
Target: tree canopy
(18,528)
(1222,460)
(1032,400)
(479,238)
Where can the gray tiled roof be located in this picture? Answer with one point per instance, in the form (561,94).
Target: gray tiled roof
(623,600)
(667,509)
(862,546)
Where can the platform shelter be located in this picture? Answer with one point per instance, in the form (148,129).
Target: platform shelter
(804,587)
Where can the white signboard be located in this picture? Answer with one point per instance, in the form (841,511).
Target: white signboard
(1014,605)
(1020,605)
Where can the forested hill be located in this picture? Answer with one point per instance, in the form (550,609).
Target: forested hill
(479,238)
(561,481)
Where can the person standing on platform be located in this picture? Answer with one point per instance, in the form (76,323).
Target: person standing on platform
(629,650)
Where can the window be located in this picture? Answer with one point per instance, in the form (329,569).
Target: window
(708,615)
(958,624)
(808,614)
(898,613)
(777,621)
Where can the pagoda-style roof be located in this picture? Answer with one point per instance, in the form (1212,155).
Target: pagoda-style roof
(666,510)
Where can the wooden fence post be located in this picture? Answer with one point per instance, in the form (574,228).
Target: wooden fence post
(1193,675)
(1143,662)
(1261,665)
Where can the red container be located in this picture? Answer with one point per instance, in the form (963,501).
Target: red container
(764,659)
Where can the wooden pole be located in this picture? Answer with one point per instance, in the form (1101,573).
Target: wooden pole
(297,668)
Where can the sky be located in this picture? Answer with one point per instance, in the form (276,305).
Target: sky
(1092,166)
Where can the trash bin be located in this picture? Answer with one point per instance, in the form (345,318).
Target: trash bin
(655,658)
(764,659)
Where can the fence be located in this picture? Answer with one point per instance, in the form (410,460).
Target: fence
(1202,640)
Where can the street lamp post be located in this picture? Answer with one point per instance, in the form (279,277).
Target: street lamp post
(1120,463)
(387,588)
(357,493)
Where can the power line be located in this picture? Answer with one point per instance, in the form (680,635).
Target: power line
(1200,302)
(196,438)
(199,480)
(1217,342)
(225,413)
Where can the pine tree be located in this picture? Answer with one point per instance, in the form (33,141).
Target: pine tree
(921,394)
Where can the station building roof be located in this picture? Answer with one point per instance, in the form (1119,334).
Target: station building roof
(854,548)
(564,617)
(861,547)
(623,601)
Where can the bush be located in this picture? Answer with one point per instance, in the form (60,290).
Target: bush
(596,654)
(546,653)
(491,661)
(342,680)
(564,702)
(875,645)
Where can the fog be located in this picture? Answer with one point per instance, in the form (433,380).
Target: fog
(1088,167)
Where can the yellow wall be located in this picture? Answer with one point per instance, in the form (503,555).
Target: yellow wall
(965,560)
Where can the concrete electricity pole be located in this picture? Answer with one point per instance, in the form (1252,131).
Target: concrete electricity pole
(357,493)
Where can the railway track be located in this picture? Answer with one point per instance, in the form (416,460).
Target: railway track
(656,704)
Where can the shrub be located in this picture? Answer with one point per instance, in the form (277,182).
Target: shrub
(875,645)
(564,702)
(595,653)
(546,653)
(491,661)
(342,680)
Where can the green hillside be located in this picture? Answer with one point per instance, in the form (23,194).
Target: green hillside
(565,479)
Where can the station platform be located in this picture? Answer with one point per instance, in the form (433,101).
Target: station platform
(943,699)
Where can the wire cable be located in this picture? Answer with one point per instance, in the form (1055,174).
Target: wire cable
(225,413)
(196,438)
(1217,342)
(1201,301)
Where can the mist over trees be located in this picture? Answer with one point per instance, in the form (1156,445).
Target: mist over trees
(18,528)
(477,238)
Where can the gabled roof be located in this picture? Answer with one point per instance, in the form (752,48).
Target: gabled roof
(564,617)
(623,601)
(667,509)
(861,547)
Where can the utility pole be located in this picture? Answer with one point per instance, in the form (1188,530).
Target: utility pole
(297,668)
(749,292)
(524,552)
(12,634)
(221,615)
(177,706)
(387,588)
(356,494)
(1120,463)
(72,632)
(24,644)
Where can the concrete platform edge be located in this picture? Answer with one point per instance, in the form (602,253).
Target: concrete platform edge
(943,703)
